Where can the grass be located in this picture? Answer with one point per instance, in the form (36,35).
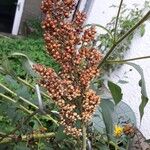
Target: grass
(33,47)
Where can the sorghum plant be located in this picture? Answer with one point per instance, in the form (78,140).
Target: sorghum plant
(71,46)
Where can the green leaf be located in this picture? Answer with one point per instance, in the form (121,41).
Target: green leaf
(122,113)
(142,105)
(115,91)
(97,121)
(23,92)
(26,62)
(107,108)
(143,88)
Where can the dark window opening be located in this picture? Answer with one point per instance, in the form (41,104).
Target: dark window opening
(7,14)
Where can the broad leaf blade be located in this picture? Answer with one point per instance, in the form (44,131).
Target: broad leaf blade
(123,113)
(115,91)
(143,88)
(107,107)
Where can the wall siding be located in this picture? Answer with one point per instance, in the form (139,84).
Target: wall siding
(101,13)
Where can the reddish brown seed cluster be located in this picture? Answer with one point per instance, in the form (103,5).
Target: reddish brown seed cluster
(87,61)
(70,87)
(50,81)
(68,119)
(90,102)
(89,35)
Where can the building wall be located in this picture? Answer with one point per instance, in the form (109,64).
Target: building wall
(31,11)
(101,13)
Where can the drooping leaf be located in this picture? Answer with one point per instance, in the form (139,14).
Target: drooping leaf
(115,91)
(144,97)
(142,105)
(26,62)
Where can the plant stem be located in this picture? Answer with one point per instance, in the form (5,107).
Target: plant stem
(123,37)
(26,137)
(32,87)
(21,107)
(29,103)
(14,94)
(114,145)
(126,60)
(117,18)
(11,100)
(39,136)
(84,136)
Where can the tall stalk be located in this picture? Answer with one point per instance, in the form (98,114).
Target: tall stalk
(84,136)
(117,18)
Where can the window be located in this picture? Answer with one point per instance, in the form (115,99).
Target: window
(84,5)
(88,6)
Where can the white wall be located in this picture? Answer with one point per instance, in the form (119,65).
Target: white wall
(101,13)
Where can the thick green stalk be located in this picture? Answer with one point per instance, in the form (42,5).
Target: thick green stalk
(117,18)
(84,134)
(123,37)
(28,102)
(20,106)
(14,94)
(11,100)
(126,60)
(114,145)
(25,138)
(32,87)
